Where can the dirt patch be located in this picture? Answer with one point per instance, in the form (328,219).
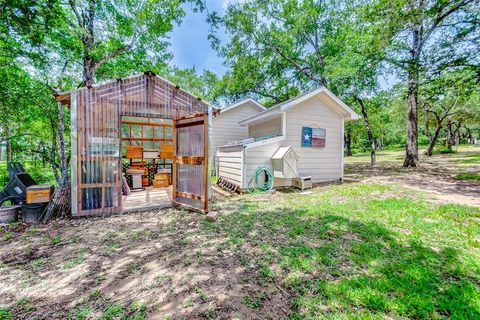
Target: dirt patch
(436,176)
(161,260)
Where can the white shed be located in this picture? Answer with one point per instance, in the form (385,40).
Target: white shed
(311,125)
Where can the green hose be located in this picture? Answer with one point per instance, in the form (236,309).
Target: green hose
(262,187)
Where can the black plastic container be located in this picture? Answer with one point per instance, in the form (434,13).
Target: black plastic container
(17,187)
(32,213)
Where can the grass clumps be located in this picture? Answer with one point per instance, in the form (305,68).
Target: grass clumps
(364,250)
(444,150)
(468,176)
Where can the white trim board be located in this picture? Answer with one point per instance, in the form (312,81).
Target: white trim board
(346,111)
(241,103)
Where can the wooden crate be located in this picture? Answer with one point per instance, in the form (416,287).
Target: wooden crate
(166,151)
(137,170)
(160,176)
(303,183)
(134,152)
(160,183)
(39,193)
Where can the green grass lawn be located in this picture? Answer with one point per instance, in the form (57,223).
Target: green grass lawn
(363,251)
(468,176)
(464,154)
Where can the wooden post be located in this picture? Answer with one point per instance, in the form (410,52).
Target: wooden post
(174,162)
(205,161)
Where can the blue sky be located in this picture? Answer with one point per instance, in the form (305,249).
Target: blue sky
(191,48)
(189,41)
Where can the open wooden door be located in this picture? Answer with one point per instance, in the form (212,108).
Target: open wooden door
(190,163)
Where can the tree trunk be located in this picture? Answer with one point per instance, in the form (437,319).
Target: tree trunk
(456,133)
(54,152)
(469,136)
(61,202)
(8,145)
(88,39)
(348,141)
(450,136)
(89,71)
(371,139)
(433,140)
(411,154)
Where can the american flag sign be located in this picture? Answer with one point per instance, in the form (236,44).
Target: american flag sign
(314,137)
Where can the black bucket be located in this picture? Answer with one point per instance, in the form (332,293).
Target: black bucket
(32,213)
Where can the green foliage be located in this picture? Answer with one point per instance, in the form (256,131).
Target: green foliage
(254,301)
(468,176)
(278,49)
(47,46)
(56,240)
(444,150)
(5,314)
(203,85)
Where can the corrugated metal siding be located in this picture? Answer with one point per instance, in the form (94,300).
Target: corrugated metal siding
(97,186)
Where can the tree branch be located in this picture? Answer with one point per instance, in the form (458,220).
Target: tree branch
(73,5)
(112,55)
(440,19)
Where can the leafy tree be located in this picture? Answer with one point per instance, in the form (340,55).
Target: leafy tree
(58,40)
(426,33)
(445,101)
(202,85)
(280,48)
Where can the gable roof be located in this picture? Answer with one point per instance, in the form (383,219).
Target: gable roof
(242,103)
(282,151)
(286,105)
(65,97)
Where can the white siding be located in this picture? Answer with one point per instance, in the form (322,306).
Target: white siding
(256,157)
(230,164)
(225,127)
(270,127)
(321,164)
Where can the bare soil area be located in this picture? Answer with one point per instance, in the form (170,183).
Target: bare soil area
(160,259)
(436,175)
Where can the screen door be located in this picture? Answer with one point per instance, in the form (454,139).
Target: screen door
(190,164)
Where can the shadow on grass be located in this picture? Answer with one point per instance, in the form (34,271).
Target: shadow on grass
(258,261)
(335,266)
